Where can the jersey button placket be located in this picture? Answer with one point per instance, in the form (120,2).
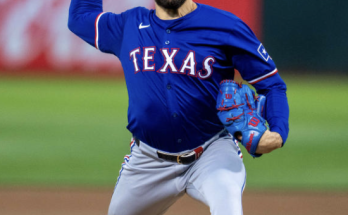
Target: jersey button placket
(171,92)
(167,32)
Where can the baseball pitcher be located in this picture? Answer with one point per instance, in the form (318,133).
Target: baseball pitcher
(186,114)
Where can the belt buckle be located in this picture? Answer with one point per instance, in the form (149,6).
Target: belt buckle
(178,159)
(186,156)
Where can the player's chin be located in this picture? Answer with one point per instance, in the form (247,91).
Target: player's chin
(170,4)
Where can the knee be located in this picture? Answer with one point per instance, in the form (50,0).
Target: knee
(226,181)
(112,210)
(221,189)
(117,211)
(115,208)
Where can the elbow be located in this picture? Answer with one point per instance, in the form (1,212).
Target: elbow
(73,18)
(72,23)
(280,86)
(277,83)
(274,83)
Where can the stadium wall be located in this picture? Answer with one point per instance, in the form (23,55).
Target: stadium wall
(307,36)
(35,38)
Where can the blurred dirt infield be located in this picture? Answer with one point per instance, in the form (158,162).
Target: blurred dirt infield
(20,201)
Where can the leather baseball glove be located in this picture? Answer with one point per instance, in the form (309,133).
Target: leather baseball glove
(241,111)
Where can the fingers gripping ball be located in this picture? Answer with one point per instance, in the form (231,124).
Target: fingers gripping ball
(240,112)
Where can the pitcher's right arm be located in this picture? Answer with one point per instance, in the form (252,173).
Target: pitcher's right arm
(99,29)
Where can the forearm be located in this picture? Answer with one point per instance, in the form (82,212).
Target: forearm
(277,107)
(269,142)
(277,112)
(82,18)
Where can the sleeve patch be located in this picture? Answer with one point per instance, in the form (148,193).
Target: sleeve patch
(262,51)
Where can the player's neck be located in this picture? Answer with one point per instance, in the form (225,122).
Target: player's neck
(167,14)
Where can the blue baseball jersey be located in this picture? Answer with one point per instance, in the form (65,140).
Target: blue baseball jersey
(173,69)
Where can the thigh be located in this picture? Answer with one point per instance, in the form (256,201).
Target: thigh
(146,186)
(218,178)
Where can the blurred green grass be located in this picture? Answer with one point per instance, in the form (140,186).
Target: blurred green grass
(73,133)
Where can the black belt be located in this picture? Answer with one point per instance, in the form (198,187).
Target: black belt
(185,158)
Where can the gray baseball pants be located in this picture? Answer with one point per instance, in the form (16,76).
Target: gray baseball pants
(148,185)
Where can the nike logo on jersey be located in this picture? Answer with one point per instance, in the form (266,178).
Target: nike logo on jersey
(141,26)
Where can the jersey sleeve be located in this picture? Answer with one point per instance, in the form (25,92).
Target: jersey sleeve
(109,32)
(256,66)
(249,56)
(102,30)
(277,107)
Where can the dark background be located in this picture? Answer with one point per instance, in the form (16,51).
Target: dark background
(307,36)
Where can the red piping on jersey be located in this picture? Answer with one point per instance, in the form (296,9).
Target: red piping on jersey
(96,30)
(264,77)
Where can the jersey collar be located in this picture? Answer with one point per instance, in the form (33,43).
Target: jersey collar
(174,22)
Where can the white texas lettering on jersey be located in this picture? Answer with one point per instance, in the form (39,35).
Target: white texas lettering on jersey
(189,63)
(169,57)
(207,67)
(149,57)
(188,66)
(133,54)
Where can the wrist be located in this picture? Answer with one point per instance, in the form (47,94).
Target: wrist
(281,132)
(269,142)
(278,140)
